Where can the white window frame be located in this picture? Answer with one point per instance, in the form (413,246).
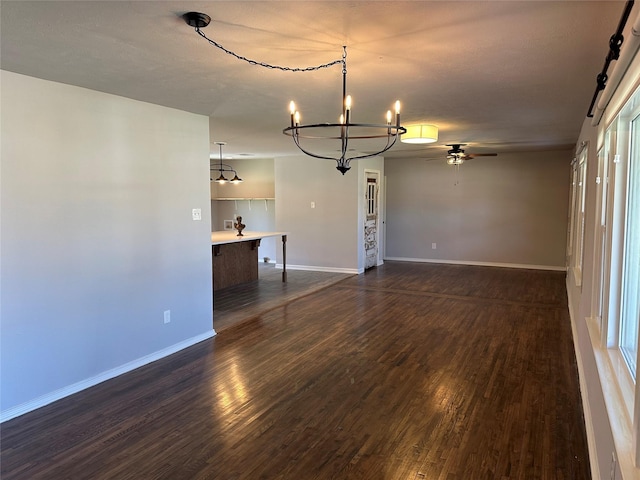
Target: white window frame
(601,255)
(577,220)
(621,391)
(629,256)
(572,211)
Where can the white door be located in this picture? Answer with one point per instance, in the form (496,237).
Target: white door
(371,221)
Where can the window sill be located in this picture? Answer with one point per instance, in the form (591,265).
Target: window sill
(618,391)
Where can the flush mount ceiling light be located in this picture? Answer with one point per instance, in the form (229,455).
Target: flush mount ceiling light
(420,134)
(343,131)
(223,167)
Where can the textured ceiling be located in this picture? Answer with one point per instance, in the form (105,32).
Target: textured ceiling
(498,75)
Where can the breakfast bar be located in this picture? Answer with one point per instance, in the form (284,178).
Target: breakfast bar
(235,258)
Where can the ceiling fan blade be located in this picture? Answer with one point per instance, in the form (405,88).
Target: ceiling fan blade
(473,155)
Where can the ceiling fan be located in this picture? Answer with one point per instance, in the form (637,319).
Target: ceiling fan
(456,155)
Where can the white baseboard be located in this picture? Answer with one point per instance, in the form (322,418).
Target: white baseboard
(51,397)
(312,268)
(586,406)
(479,264)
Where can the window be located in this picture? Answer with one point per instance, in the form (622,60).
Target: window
(615,307)
(372,197)
(577,222)
(572,209)
(630,311)
(599,296)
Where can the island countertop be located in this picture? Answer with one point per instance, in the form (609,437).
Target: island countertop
(238,250)
(220,237)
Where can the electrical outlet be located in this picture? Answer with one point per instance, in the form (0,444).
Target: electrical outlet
(433,246)
(313,204)
(167,316)
(196,213)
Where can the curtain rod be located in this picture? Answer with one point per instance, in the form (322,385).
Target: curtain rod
(615,42)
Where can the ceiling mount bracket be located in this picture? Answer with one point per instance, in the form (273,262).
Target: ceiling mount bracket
(196,19)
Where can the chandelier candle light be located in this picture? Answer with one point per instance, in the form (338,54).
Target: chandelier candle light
(347,130)
(388,133)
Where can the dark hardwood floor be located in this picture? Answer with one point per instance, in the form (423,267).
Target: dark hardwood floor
(410,371)
(239,303)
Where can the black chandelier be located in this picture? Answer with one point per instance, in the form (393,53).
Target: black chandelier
(223,167)
(343,131)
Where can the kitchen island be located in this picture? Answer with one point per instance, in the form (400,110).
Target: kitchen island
(235,259)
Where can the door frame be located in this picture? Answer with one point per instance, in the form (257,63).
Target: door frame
(377,174)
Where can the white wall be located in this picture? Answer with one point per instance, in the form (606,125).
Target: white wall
(504,210)
(97,237)
(324,237)
(580,305)
(612,431)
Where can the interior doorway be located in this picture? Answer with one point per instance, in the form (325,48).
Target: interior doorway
(371,222)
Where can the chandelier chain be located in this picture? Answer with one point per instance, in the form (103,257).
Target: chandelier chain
(273,67)
(390,131)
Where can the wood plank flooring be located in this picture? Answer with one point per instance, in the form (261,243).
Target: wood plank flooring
(233,305)
(410,371)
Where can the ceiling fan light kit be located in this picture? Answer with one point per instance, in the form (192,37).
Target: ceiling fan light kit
(343,131)
(420,134)
(455,161)
(456,155)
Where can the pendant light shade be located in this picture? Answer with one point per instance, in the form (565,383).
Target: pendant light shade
(420,134)
(223,167)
